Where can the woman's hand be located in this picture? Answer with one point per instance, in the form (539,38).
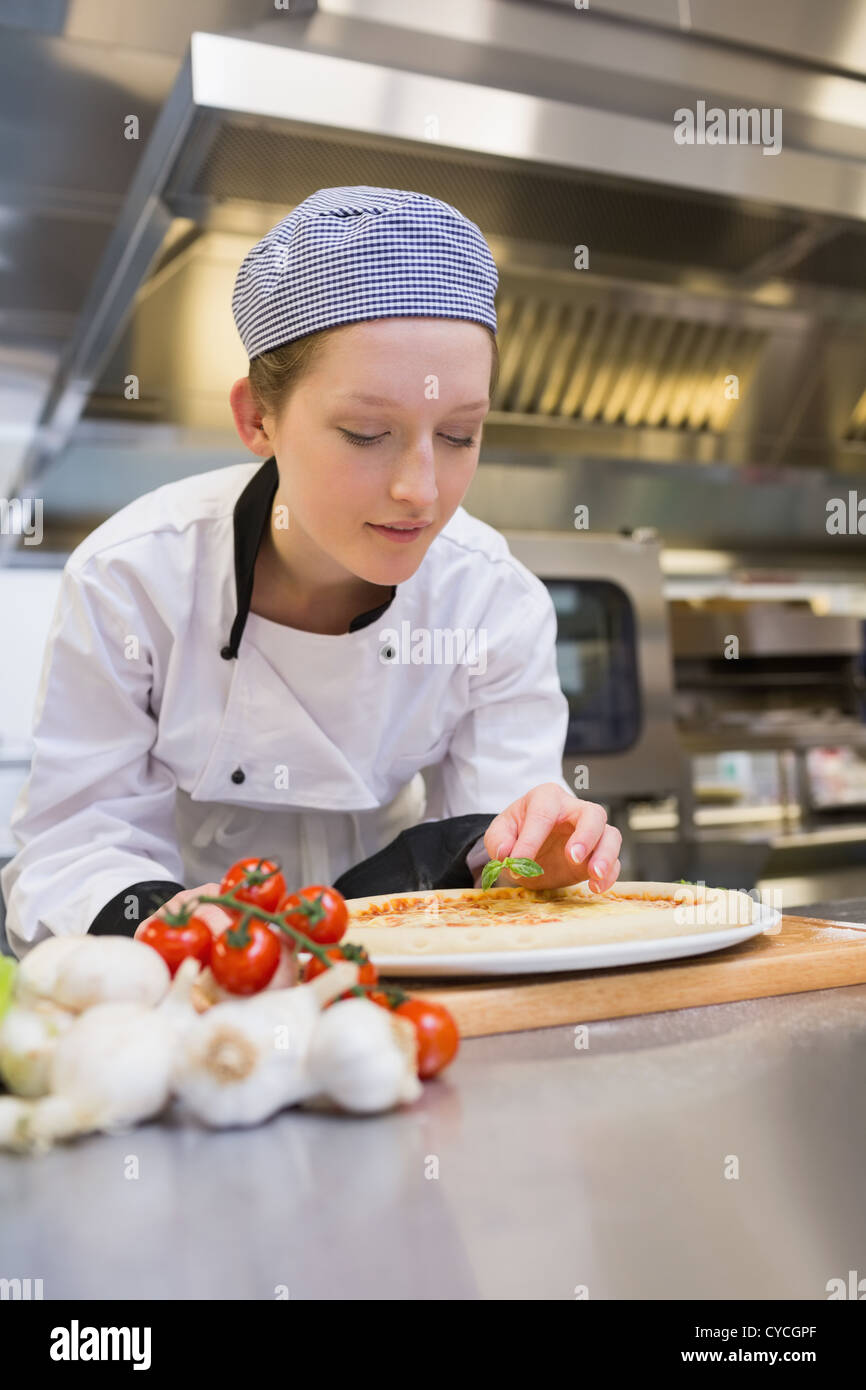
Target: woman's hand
(216,917)
(569,838)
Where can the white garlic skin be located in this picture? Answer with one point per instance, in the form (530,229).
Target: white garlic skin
(15,1116)
(37,972)
(364,1057)
(79,972)
(113,1067)
(241,1062)
(238,1064)
(28,1038)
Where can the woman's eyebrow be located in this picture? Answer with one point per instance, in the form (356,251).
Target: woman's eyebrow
(383,400)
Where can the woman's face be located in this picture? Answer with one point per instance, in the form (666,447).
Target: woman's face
(383,429)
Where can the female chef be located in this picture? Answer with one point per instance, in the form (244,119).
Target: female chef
(260,660)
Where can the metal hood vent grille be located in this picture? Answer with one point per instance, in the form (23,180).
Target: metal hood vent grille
(602,365)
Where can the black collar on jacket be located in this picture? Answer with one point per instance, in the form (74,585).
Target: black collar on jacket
(251,515)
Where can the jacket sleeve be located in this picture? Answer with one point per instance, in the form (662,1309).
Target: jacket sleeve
(512,736)
(94,821)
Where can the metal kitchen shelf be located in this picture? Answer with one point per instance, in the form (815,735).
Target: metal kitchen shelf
(801,737)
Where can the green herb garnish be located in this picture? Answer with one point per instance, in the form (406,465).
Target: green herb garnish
(526,868)
(8,971)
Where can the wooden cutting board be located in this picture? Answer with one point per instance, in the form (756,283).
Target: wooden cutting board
(807,953)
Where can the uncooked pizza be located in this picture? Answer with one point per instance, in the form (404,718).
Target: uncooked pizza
(454,920)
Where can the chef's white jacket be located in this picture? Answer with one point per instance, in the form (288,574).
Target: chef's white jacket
(175,731)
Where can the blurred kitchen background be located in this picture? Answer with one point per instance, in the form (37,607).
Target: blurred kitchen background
(679,404)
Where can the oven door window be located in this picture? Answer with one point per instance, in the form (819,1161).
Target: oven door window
(596,651)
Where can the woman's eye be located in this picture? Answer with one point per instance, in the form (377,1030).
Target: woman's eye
(361,439)
(457,441)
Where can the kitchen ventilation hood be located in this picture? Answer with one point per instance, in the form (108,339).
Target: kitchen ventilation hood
(720,317)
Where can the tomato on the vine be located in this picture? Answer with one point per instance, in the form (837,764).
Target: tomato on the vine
(244,960)
(367,973)
(175,944)
(267,889)
(317,911)
(436,1031)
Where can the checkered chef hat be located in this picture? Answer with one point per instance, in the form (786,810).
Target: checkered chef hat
(346,254)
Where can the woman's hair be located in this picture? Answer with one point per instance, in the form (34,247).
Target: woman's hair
(275,374)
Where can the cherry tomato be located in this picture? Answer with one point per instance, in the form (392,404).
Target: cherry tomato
(367,974)
(326,922)
(438,1038)
(265,893)
(245,967)
(174,944)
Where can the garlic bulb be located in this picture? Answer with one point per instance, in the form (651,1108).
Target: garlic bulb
(364,1057)
(239,1063)
(28,1037)
(113,1066)
(78,972)
(37,972)
(109,1071)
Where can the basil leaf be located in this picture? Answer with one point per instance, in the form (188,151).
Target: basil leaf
(527,868)
(491,872)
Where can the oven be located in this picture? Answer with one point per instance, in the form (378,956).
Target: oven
(614,659)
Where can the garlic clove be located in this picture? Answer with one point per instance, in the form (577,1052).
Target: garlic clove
(112,969)
(37,972)
(57,1117)
(15,1117)
(364,1057)
(28,1038)
(31,1126)
(114,1065)
(206,992)
(334,981)
(78,972)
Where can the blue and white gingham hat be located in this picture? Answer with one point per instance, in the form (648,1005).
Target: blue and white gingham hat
(347,254)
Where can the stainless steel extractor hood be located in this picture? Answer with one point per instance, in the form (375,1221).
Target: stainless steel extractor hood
(720,319)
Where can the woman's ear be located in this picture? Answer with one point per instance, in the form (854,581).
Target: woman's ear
(248,419)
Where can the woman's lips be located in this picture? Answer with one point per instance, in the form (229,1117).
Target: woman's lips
(400,536)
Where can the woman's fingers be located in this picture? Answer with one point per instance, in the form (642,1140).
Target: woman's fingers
(587,837)
(522,828)
(604,864)
(562,833)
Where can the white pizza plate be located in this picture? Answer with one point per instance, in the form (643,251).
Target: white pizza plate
(568,958)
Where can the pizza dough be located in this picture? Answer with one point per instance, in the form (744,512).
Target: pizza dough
(453,921)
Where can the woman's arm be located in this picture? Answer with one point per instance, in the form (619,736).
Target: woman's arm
(95,818)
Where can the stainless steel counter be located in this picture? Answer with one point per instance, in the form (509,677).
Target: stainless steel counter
(557,1167)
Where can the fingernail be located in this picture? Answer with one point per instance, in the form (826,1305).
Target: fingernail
(501,852)
(578,853)
(599,868)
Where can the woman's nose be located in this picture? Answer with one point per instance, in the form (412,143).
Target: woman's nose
(415,478)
